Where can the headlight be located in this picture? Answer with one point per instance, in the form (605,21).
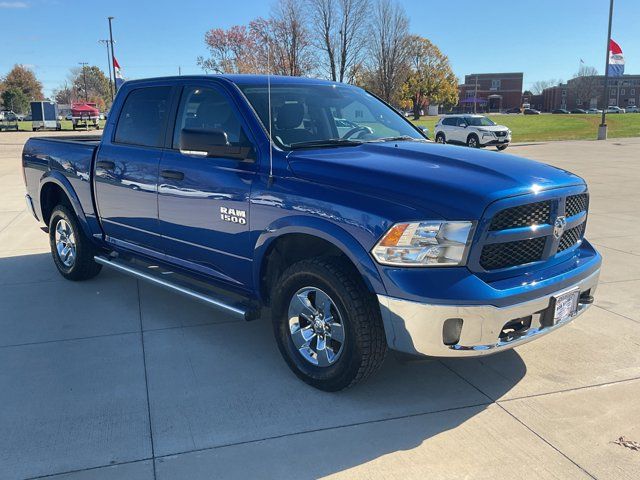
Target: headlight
(424,244)
(487,134)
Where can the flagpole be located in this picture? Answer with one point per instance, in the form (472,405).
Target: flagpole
(112,57)
(602,129)
(109,62)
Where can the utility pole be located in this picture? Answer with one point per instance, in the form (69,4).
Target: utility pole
(84,74)
(179,70)
(107,43)
(112,55)
(602,129)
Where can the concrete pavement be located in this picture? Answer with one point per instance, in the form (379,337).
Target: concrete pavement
(116,379)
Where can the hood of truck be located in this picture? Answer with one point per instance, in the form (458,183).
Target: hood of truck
(457,183)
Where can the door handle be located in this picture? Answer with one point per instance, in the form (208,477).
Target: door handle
(105,164)
(173,174)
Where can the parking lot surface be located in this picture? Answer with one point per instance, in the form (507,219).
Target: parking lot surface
(116,379)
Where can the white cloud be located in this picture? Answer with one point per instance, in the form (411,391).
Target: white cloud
(13,5)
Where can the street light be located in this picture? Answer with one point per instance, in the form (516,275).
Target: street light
(602,129)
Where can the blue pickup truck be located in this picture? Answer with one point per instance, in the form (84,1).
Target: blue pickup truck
(317,205)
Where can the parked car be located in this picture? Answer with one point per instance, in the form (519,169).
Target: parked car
(514,110)
(531,111)
(633,109)
(472,130)
(615,109)
(593,111)
(373,240)
(560,111)
(578,110)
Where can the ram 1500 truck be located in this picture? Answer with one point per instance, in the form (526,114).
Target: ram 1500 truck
(318,205)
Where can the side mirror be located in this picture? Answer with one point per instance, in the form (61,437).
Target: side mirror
(463,125)
(211,143)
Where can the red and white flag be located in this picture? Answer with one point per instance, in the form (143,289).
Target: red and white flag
(616,60)
(118,73)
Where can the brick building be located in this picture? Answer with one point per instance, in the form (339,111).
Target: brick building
(493,92)
(623,92)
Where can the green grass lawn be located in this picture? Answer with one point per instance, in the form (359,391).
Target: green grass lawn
(529,128)
(536,128)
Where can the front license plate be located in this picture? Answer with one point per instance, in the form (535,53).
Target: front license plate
(566,306)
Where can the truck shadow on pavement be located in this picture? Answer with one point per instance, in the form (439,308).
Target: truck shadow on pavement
(222,402)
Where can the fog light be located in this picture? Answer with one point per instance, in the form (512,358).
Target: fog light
(451,331)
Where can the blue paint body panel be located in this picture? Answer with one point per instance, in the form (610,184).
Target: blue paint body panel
(347,196)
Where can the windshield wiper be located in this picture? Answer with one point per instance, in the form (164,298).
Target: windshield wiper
(398,139)
(329,142)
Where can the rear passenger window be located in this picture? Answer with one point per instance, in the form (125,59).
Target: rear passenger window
(143,117)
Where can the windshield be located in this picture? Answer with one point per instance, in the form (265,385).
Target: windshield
(479,122)
(306,115)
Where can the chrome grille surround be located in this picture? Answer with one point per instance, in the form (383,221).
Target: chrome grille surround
(515,243)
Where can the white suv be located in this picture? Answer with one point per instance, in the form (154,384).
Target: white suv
(472,130)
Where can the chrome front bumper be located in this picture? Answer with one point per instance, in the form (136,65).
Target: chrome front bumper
(417,328)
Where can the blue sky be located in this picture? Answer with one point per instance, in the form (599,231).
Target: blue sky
(544,38)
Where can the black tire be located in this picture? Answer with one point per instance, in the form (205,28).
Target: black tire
(83,266)
(440,138)
(502,147)
(473,141)
(364,346)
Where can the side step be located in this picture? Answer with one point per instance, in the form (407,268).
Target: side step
(163,277)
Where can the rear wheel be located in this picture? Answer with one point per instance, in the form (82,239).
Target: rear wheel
(440,138)
(72,251)
(472,141)
(327,324)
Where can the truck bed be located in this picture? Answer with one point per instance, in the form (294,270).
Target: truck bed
(69,159)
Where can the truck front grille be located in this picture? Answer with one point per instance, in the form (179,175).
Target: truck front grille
(509,254)
(571,237)
(577,204)
(522,216)
(527,245)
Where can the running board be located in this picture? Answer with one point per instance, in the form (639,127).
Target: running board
(160,276)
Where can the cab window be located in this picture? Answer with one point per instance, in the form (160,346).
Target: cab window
(143,117)
(205,110)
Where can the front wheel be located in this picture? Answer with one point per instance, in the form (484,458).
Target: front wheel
(327,324)
(440,138)
(72,251)
(501,147)
(472,141)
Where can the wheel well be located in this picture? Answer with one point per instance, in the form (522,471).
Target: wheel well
(291,248)
(52,195)
(472,134)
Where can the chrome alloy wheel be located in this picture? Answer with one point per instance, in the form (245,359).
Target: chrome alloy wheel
(316,327)
(65,243)
(473,143)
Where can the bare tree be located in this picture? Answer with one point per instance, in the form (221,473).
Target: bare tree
(388,50)
(282,42)
(586,85)
(538,87)
(339,28)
